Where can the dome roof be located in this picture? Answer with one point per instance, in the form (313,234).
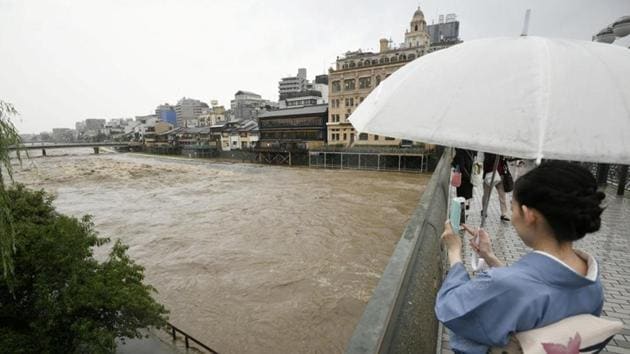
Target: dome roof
(418,15)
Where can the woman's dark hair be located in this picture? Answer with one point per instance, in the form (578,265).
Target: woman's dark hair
(566,195)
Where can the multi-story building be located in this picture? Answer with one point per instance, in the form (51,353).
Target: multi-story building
(446,30)
(247,105)
(357,73)
(211,116)
(297,91)
(166,113)
(79,130)
(64,135)
(293,128)
(188,109)
(94,124)
(293,84)
(94,128)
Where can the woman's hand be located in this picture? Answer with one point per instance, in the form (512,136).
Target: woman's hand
(480,243)
(453,244)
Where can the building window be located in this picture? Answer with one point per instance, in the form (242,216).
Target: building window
(411,56)
(388,138)
(336,86)
(345,136)
(347,102)
(378,79)
(349,84)
(347,116)
(352,64)
(361,99)
(363,136)
(375,137)
(337,103)
(351,102)
(365,82)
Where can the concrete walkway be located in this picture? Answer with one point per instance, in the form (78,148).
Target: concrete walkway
(610,246)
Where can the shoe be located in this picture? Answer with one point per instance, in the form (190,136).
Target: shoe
(504,218)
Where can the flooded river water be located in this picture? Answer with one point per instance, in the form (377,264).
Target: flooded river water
(248,258)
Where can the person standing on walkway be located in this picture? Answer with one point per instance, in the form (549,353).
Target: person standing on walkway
(553,206)
(463,160)
(488,167)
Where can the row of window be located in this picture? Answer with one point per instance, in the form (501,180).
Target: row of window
(349,102)
(302,135)
(291,122)
(362,136)
(380,61)
(350,84)
(337,136)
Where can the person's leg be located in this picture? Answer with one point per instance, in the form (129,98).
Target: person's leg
(502,201)
(486,192)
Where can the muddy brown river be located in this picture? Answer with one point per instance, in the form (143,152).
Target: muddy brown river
(248,258)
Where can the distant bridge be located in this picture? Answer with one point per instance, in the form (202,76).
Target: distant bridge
(95,146)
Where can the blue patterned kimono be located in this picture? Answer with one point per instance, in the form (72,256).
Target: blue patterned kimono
(534,292)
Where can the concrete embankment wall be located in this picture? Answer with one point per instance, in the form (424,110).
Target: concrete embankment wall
(399,317)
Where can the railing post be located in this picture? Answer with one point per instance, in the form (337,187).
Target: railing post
(602,174)
(173,332)
(186,340)
(622,177)
(43,152)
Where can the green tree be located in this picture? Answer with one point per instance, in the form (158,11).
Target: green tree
(9,138)
(60,299)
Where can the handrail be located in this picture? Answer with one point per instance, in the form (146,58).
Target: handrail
(400,317)
(187,337)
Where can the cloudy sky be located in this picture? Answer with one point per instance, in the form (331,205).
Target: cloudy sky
(67,60)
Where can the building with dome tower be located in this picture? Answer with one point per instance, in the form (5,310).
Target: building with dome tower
(357,73)
(417,35)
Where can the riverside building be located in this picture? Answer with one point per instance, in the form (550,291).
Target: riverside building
(357,73)
(188,109)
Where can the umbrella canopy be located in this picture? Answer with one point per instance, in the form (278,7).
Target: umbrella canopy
(529,97)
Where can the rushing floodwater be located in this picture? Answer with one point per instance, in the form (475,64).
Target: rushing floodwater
(248,258)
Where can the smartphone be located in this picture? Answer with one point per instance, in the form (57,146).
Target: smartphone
(455,214)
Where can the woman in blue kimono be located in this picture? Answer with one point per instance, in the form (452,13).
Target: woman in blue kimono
(552,206)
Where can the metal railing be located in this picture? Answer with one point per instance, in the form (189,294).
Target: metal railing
(417,163)
(187,338)
(610,173)
(400,318)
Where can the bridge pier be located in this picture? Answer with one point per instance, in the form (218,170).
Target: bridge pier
(96,150)
(43,152)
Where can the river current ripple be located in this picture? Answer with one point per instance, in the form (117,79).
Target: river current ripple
(248,258)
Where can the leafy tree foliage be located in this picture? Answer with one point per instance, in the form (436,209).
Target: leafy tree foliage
(60,299)
(9,137)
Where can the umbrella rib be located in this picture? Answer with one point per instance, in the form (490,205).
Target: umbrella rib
(544,98)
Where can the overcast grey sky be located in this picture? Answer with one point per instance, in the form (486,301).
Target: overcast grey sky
(67,60)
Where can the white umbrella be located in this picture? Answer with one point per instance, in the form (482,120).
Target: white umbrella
(529,97)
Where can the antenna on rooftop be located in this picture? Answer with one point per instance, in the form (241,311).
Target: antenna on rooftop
(526,23)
